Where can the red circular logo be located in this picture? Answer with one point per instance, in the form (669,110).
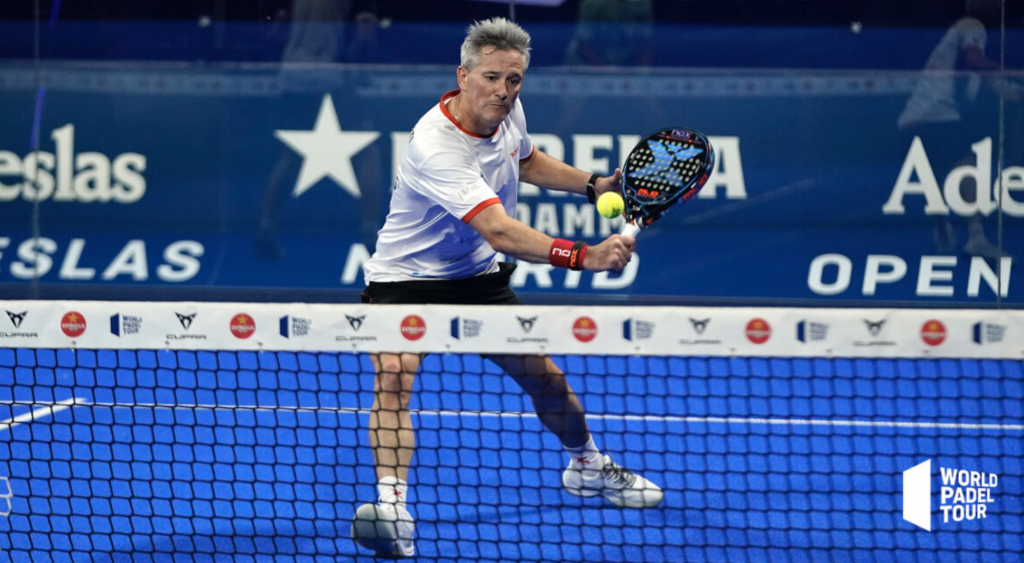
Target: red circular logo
(584,329)
(413,327)
(242,325)
(933,333)
(758,331)
(73,324)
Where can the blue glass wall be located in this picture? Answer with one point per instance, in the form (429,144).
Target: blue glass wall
(193,159)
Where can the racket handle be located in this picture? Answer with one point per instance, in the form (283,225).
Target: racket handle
(630,230)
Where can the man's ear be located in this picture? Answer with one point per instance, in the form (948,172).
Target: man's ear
(460,76)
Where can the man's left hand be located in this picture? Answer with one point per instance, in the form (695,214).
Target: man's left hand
(611,183)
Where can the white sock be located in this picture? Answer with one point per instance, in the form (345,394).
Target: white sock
(586,456)
(393,489)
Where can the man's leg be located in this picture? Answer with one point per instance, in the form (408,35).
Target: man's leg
(590,473)
(387,527)
(391,432)
(557,406)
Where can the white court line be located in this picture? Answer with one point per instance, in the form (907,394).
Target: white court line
(44,410)
(626,417)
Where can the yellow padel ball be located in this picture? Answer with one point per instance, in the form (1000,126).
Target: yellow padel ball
(610,205)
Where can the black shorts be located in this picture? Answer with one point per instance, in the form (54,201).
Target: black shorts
(488,289)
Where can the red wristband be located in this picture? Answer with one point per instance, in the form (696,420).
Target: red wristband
(567,254)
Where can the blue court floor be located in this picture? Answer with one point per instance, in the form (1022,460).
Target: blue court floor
(202,457)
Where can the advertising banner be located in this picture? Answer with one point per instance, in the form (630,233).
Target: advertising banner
(151,177)
(686,331)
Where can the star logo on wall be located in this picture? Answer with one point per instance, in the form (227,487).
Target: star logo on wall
(327,151)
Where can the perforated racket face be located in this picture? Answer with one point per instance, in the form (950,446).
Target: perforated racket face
(665,169)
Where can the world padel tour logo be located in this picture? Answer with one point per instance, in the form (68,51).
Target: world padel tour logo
(584,329)
(759,331)
(242,325)
(125,324)
(987,333)
(296,327)
(413,327)
(933,333)
(963,495)
(810,331)
(635,329)
(466,328)
(73,324)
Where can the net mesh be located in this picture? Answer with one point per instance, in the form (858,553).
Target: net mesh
(140,455)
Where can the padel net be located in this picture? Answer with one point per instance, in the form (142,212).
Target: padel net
(217,431)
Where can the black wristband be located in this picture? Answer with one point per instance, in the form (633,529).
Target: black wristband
(579,250)
(591,183)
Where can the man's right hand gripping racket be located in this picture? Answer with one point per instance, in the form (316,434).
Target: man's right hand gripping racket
(662,171)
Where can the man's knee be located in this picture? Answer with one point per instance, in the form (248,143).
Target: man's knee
(394,379)
(390,364)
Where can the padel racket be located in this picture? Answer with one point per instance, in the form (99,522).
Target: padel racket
(662,171)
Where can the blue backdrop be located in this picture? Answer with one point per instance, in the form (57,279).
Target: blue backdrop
(167,175)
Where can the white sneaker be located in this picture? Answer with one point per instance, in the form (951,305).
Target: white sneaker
(386,528)
(619,485)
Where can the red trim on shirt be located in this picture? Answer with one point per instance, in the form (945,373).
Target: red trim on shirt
(480,207)
(533,151)
(455,122)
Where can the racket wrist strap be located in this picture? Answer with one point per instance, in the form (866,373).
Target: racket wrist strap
(591,185)
(567,254)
